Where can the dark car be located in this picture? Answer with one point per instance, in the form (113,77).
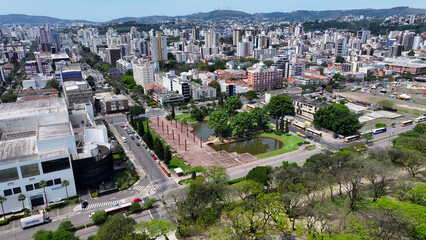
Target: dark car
(138,144)
(137,137)
(84,204)
(133,138)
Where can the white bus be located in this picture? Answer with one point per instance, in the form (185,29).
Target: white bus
(420,119)
(299,125)
(379,130)
(314,132)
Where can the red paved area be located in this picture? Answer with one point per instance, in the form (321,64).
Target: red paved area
(191,148)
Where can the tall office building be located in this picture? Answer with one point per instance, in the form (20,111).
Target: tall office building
(113,54)
(44,40)
(416,42)
(395,50)
(212,39)
(158,47)
(196,33)
(237,35)
(283,63)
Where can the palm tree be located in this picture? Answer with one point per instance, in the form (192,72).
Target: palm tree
(22,198)
(43,184)
(65,184)
(2,200)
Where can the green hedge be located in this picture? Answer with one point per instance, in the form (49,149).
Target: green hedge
(79,227)
(90,224)
(4,222)
(237,180)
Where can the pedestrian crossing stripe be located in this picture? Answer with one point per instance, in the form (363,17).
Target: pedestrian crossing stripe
(103,204)
(163,184)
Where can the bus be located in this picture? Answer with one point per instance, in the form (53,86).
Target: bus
(379,130)
(118,209)
(420,119)
(314,132)
(298,125)
(367,132)
(352,138)
(301,135)
(406,123)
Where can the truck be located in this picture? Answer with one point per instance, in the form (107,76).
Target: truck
(34,220)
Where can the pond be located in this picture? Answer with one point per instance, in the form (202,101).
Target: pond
(201,130)
(254,146)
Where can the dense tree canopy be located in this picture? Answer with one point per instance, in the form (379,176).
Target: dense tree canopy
(232,104)
(337,117)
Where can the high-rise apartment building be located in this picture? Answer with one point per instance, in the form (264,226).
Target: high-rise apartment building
(196,33)
(158,48)
(237,35)
(143,73)
(212,39)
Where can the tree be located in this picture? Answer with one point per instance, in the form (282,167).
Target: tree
(42,234)
(129,72)
(136,110)
(156,228)
(167,155)
(91,81)
(241,123)
(250,95)
(99,217)
(116,227)
(218,120)
(148,138)
(158,148)
(259,174)
(197,113)
(386,104)
(380,125)
(280,105)
(411,53)
(135,207)
(259,118)
(172,115)
(233,104)
(340,59)
(141,128)
(336,117)
(21,198)
(43,184)
(65,184)
(66,225)
(2,200)
(216,85)
(52,83)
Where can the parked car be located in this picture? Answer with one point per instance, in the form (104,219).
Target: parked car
(138,144)
(133,138)
(154,157)
(122,126)
(91,214)
(137,200)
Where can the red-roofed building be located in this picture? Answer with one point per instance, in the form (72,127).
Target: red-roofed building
(262,78)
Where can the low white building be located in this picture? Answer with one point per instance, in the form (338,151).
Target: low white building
(202,92)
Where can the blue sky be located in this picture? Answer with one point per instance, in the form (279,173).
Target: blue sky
(103,10)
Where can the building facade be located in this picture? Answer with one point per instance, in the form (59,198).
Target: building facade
(261,77)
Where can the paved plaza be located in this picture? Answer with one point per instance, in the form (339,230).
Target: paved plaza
(191,148)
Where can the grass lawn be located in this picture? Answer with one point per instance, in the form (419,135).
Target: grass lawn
(290,144)
(182,116)
(179,163)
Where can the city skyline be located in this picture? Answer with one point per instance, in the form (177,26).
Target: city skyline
(100,11)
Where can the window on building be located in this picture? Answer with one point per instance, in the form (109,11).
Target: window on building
(57,181)
(30,170)
(17,190)
(55,165)
(49,183)
(29,187)
(9,174)
(36,185)
(7,192)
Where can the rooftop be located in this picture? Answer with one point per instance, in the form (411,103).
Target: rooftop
(21,148)
(108,98)
(54,131)
(32,108)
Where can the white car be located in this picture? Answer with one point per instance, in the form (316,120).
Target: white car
(91,214)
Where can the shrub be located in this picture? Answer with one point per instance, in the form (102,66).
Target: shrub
(150,203)
(89,224)
(58,205)
(237,180)
(79,227)
(380,125)
(94,194)
(4,222)
(15,217)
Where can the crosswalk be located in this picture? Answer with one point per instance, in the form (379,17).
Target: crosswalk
(163,184)
(103,204)
(139,188)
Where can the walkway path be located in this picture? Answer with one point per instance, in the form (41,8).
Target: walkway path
(191,148)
